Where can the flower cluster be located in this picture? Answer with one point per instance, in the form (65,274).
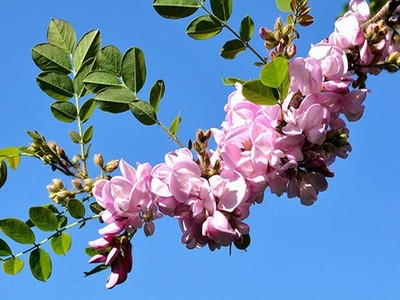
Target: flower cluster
(287,148)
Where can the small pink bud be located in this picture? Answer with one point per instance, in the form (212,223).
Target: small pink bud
(149,228)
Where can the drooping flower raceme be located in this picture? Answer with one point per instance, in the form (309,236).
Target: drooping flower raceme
(287,147)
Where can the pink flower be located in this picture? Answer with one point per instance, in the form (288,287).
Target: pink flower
(333,60)
(347,32)
(119,257)
(305,75)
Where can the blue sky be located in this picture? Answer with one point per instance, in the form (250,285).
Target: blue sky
(345,246)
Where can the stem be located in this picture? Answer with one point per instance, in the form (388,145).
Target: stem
(82,144)
(37,245)
(225,24)
(384,13)
(173,137)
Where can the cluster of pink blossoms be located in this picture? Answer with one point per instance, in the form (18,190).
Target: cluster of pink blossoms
(287,147)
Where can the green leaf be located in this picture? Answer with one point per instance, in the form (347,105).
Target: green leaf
(110,60)
(143,111)
(51,58)
(284,90)
(62,221)
(283,5)
(87,136)
(40,264)
(75,137)
(98,80)
(43,218)
(232,48)
(258,93)
(275,72)
(96,208)
(12,156)
(134,69)
(3,173)
(61,243)
(87,110)
(174,126)
(87,67)
(222,9)
(5,250)
(13,266)
(246,28)
(88,47)
(64,111)
(76,209)
(114,100)
(17,230)
(232,81)
(55,84)
(176,9)
(156,94)
(61,34)
(203,27)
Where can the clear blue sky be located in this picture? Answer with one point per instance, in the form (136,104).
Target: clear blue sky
(345,246)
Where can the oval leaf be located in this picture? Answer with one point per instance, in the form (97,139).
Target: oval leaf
(13,266)
(3,173)
(55,84)
(76,208)
(114,100)
(40,264)
(174,126)
(87,109)
(51,58)
(17,230)
(64,111)
(98,80)
(87,67)
(61,34)
(246,28)
(274,73)
(74,136)
(176,9)
(110,60)
(61,243)
(88,47)
(258,93)
(222,9)
(5,250)
(134,69)
(156,94)
(203,27)
(144,112)
(43,218)
(87,136)
(232,48)
(283,5)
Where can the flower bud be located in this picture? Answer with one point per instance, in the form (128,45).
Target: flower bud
(98,160)
(60,151)
(111,166)
(291,51)
(52,145)
(88,185)
(149,228)
(77,184)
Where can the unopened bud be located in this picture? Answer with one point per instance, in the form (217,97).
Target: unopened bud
(77,184)
(98,160)
(111,166)
(52,145)
(291,51)
(88,185)
(75,160)
(60,151)
(149,228)
(278,24)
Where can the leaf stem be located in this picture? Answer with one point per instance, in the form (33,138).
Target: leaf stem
(225,24)
(37,245)
(81,142)
(173,137)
